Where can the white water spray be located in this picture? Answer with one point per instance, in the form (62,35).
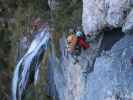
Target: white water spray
(22,71)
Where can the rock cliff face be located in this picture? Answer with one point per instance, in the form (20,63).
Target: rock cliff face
(112,75)
(100,14)
(110,79)
(128,26)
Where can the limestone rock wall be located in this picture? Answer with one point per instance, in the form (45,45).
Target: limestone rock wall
(99,14)
(111,78)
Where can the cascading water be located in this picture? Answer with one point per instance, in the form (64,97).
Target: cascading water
(29,62)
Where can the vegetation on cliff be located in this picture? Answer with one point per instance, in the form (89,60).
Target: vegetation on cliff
(16,17)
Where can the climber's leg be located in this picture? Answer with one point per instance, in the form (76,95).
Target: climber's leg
(75,57)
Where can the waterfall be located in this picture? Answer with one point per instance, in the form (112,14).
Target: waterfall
(30,61)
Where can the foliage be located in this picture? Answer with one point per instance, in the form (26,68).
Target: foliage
(67,15)
(15,18)
(4,63)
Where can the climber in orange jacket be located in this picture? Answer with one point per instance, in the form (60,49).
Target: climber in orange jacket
(75,43)
(73,47)
(78,39)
